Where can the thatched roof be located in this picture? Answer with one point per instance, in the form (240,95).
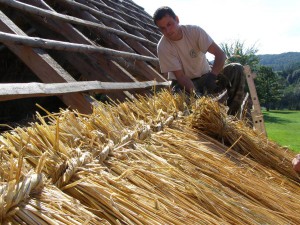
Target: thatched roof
(160,160)
(83,40)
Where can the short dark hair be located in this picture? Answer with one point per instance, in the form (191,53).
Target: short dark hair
(163,11)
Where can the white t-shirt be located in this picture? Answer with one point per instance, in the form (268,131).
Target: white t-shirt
(187,54)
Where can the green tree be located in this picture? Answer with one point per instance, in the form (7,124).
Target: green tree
(269,86)
(237,52)
(294,77)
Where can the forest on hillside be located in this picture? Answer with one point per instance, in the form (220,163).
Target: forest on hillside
(278,75)
(280,62)
(286,68)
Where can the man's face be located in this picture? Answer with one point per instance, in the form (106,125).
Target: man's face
(170,27)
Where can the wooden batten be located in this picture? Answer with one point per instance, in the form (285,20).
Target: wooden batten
(23,90)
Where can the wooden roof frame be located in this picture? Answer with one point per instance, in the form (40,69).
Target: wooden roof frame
(124,28)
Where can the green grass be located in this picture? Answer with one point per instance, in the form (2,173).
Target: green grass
(283,127)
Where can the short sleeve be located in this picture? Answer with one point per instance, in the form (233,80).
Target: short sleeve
(203,39)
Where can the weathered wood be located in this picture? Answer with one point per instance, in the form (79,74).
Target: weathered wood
(25,90)
(120,22)
(153,36)
(127,9)
(105,7)
(140,67)
(43,66)
(118,73)
(50,14)
(257,116)
(136,45)
(36,42)
(90,66)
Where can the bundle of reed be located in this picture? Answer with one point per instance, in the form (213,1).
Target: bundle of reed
(251,185)
(210,118)
(27,198)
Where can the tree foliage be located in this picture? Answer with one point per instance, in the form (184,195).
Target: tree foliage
(269,86)
(294,78)
(276,89)
(238,52)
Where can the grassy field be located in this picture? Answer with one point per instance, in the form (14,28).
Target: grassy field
(284,127)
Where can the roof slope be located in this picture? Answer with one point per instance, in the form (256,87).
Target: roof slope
(69,41)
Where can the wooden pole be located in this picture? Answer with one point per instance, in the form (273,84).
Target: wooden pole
(25,90)
(36,42)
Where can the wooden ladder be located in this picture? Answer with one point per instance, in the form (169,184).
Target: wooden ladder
(256,114)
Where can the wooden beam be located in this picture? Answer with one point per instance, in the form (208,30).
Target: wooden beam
(37,42)
(43,66)
(24,90)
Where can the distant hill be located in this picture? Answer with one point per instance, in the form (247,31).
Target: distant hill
(280,62)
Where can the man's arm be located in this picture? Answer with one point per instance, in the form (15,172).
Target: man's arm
(184,81)
(220,58)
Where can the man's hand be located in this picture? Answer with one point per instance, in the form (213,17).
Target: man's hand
(184,81)
(296,163)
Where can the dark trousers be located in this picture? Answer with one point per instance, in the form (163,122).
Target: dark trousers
(231,78)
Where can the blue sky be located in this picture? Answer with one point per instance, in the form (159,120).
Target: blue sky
(272,26)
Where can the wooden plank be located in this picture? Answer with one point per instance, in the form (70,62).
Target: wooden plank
(43,66)
(257,116)
(24,90)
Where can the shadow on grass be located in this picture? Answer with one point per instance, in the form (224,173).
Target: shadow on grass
(271,119)
(281,112)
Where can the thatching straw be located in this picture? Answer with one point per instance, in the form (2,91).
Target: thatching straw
(30,200)
(210,118)
(143,162)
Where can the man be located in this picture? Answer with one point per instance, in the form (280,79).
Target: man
(181,52)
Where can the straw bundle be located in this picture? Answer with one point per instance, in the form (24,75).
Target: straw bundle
(28,199)
(143,162)
(210,118)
